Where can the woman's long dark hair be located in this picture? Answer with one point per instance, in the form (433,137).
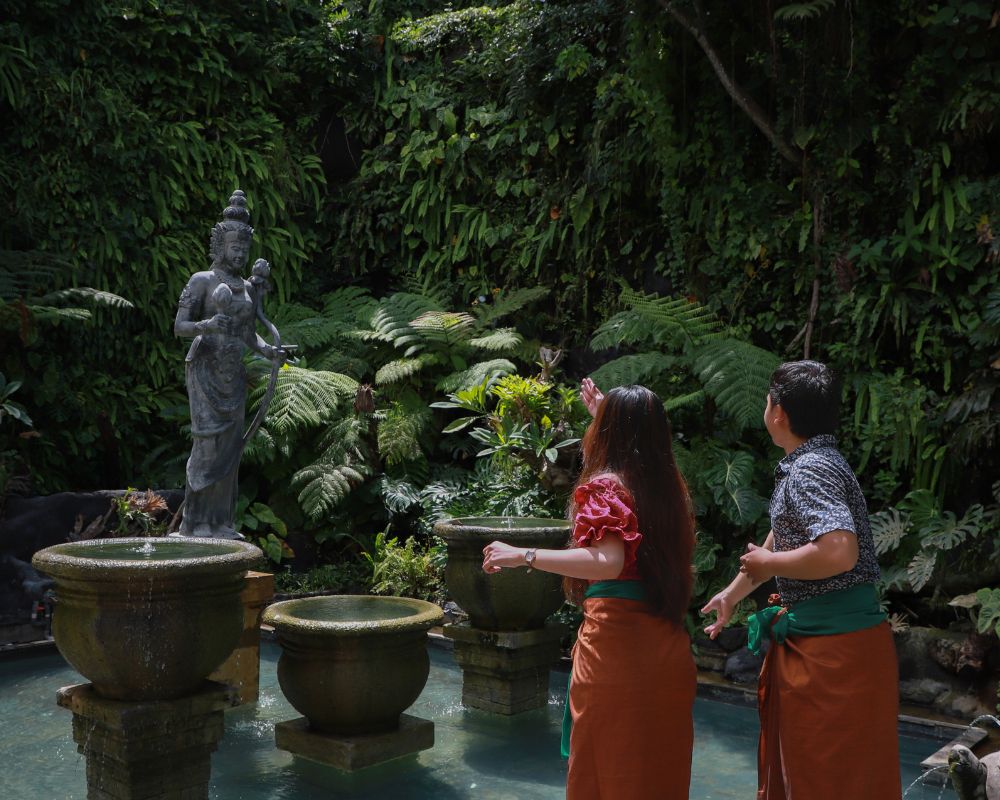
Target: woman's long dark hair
(630,438)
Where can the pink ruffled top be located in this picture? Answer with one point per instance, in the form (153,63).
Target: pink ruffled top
(603,507)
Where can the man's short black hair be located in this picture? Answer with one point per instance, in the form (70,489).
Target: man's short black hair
(809,393)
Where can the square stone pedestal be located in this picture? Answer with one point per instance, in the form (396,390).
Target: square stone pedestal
(505,672)
(148,749)
(351,753)
(241,670)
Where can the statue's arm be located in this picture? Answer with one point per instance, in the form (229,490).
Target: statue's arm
(190,308)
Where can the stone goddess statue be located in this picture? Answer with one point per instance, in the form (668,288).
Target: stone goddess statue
(219,309)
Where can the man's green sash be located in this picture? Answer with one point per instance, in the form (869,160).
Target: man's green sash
(624,590)
(843,611)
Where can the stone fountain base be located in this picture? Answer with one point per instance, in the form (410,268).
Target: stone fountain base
(150,749)
(351,753)
(505,672)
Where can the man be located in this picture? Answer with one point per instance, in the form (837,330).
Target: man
(828,692)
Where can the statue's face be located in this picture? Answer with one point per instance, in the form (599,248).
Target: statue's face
(236,251)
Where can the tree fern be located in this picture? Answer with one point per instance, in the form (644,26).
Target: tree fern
(889,527)
(508,303)
(303,398)
(400,369)
(400,430)
(341,467)
(737,375)
(677,320)
(85,293)
(324,487)
(391,320)
(626,370)
(683,400)
(476,374)
(498,341)
(443,328)
(801,11)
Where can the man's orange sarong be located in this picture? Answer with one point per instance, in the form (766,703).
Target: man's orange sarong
(828,717)
(631,695)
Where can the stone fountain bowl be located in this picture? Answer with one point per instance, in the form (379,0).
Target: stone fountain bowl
(147,619)
(351,664)
(512,599)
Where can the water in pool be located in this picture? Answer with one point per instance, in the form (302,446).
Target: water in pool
(476,756)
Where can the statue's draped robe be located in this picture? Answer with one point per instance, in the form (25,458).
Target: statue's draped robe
(217,387)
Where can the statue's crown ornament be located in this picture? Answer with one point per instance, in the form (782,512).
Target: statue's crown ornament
(235,219)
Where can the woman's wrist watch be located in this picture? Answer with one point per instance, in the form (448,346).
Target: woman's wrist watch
(529,558)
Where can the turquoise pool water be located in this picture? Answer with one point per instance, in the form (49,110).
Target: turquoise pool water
(476,756)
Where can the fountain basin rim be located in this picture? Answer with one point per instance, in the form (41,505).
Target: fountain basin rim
(71,559)
(489,528)
(285,616)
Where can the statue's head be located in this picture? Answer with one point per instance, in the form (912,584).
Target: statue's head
(230,242)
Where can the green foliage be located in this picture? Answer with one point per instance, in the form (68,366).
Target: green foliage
(405,570)
(926,540)
(349,577)
(264,528)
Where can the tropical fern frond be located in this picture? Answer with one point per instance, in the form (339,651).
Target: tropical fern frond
(625,327)
(391,320)
(737,375)
(347,305)
(498,341)
(85,293)
(920,570)
(477,374)
(400,430)
(807,10)
(303,398)
(24,272)
(401,369)
(509,302)
(889,527)
(684,400)
(444,328)
(674,319)
(626,370)
(55,314)
(325,486)
(262,447)
(346,363)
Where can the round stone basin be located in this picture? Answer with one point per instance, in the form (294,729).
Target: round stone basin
(147,619)
(512,599)
(351,664)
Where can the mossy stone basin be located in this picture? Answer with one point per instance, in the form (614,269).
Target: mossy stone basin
(351,664)
(147,619)
(512,599)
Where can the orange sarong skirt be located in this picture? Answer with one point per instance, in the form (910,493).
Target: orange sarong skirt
(631,696)
(828,718)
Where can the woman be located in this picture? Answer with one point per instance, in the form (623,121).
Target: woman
(633,681)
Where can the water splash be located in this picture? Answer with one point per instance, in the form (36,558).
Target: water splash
(921,781)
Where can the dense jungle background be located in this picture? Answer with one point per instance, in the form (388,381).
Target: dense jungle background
(681,194)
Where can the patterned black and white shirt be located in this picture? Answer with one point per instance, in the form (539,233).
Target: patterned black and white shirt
(815,492)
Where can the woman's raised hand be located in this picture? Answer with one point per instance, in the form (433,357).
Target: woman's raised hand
(497,555)
(591,396)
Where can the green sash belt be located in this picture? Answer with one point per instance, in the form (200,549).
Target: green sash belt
(623,590)
(843,611)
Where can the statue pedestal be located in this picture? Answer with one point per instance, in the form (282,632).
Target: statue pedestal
(505,672)
(241,670)
(351,753)
(148,749)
